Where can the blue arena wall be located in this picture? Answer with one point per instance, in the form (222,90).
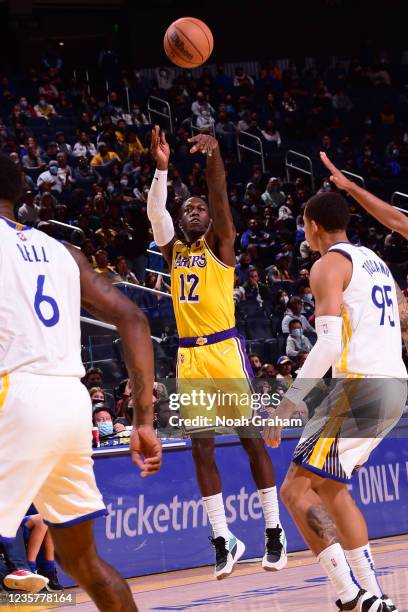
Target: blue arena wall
(158,524)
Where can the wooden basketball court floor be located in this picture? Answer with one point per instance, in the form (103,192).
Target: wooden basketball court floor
(301,586)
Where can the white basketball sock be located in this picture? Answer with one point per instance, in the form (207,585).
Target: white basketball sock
(216,515)
(270,506)
(334,563)
(362,565)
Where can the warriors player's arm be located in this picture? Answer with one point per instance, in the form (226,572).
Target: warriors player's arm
(108,304)
(382,211)
(328,279)
(403,313)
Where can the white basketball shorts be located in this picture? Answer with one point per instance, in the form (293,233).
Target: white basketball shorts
(349,424)
(46,452)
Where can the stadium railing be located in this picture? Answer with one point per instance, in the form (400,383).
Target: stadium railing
(294,165)
(152,103)
(242,146)
(356,178)
(208,129)
(396,197)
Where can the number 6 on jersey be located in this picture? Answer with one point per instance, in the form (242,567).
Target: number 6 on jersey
(41,298)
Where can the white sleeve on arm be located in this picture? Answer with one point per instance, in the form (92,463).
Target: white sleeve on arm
(159,217)
(323,355)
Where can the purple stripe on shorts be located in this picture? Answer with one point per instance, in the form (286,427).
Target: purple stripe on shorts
(248,366)
(210,339)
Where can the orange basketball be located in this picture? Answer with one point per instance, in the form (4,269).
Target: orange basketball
(188,42)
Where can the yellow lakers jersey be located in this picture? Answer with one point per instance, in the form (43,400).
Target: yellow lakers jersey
(201,289)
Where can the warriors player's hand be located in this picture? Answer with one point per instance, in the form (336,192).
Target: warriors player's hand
(146,450)
(204,143)
(272,434)
(159,148)
(337,177)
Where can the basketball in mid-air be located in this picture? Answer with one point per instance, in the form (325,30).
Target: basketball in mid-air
(188,42)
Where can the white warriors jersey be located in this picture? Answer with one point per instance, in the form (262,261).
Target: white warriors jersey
(39,304)
(371,335)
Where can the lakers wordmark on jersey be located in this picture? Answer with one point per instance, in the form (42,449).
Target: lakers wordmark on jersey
(201,289)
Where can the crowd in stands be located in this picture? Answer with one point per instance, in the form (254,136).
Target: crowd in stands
(86,163)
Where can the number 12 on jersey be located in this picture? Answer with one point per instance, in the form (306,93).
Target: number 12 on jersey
(188,286)
(383,301)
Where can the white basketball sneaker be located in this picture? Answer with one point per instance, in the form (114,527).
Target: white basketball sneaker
(227,553)
(275,557)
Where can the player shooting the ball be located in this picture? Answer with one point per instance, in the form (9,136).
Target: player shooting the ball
(202,268)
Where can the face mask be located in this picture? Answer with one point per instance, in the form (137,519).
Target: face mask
(105,428)
(24,104)
(124,183)
(296,333)
(308,297)
(284,299)
(53,170)
(110,189)
(43,103)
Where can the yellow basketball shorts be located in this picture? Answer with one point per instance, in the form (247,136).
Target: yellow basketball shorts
(214,385)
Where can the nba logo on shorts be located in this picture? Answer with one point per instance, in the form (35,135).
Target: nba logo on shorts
(334,563)
(22,236)
(181,358)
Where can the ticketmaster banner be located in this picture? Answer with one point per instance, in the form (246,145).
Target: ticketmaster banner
(158,524)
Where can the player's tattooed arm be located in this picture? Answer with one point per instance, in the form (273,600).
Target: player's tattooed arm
(403,313)
(107,304)
(320,522)
(221,233)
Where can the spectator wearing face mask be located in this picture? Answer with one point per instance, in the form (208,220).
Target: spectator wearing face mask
(308,300)
(296,341)
(293,311)
(50,180)
(102,419)
(97,395)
